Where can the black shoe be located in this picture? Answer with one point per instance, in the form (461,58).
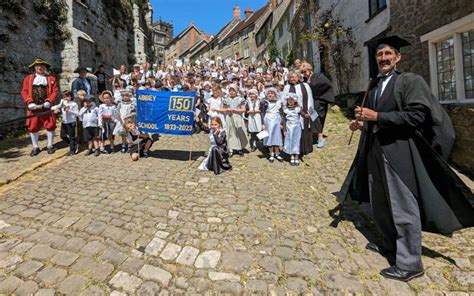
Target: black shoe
(103,151)
(51,150)
(374,248)
(76,151)
(124,149)
(253,149)
(241,153)
(145,154)
(35,152)
(279,158)
(396,273)
(112,150)
(97,152)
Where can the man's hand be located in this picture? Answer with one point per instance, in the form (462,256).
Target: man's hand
(365,114)
(355,125)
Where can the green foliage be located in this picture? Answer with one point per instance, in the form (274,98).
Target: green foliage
(290,59)
(339,46)
(272,48)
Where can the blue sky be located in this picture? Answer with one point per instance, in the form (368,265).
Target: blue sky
(209,15)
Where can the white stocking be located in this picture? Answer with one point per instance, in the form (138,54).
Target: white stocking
(50,135)
(34,139)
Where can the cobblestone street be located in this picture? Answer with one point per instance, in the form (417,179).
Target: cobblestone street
(105,225)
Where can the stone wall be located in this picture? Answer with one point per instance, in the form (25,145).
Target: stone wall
(23,37)
(412,19)
(97,34)
(463,121)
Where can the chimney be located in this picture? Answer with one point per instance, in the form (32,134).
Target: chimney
(248,13)
(274,4)
(237,12)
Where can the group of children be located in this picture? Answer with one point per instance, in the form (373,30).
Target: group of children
(237,124)
(99,123)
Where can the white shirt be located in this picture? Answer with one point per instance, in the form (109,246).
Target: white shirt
(71,115)
(385,82)
(40,80)
(89,116)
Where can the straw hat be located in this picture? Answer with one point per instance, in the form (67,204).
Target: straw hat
(101,97)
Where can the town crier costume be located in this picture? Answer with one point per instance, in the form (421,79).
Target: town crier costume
(39,93)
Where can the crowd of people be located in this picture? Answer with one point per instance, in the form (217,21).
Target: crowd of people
(272,108)
(400,166)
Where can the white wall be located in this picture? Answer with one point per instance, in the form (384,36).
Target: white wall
(355,13)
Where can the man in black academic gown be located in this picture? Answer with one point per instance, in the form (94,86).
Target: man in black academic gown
(400,166)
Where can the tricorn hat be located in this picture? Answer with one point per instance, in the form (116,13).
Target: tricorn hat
(39,61)
(392,41)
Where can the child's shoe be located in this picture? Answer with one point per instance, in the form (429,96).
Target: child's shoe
(145,154)
(297,162)
(124,149)
(97,152)
(103,151)
(271,158)
(279,158)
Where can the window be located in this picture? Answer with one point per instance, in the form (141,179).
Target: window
(446,69)
(246,34)
(246,53)
(468,60)
(375,6)
(280,30)
(451,59)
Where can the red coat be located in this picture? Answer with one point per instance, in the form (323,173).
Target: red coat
(48,121)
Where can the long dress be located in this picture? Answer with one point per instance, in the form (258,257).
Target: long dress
(293,130)
(214,104)
(305,100)
(272,121)
(254,123)
(218,158)
(235,125)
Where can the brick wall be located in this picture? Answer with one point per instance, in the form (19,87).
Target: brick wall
(412,19)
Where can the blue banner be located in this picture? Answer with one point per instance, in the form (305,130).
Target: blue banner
(162,112)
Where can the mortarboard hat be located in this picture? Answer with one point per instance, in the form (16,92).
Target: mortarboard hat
(392,41)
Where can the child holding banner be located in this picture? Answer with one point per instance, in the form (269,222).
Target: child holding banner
(138,140)
(235,124)
(218,158)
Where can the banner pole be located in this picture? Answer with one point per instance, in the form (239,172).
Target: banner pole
(191,148)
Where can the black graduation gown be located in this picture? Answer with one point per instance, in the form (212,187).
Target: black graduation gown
(323,94)
(219,156)
(415,135)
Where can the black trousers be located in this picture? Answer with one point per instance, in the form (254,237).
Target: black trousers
(68,135)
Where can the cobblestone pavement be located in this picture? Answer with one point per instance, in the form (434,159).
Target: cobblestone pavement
(104,225)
